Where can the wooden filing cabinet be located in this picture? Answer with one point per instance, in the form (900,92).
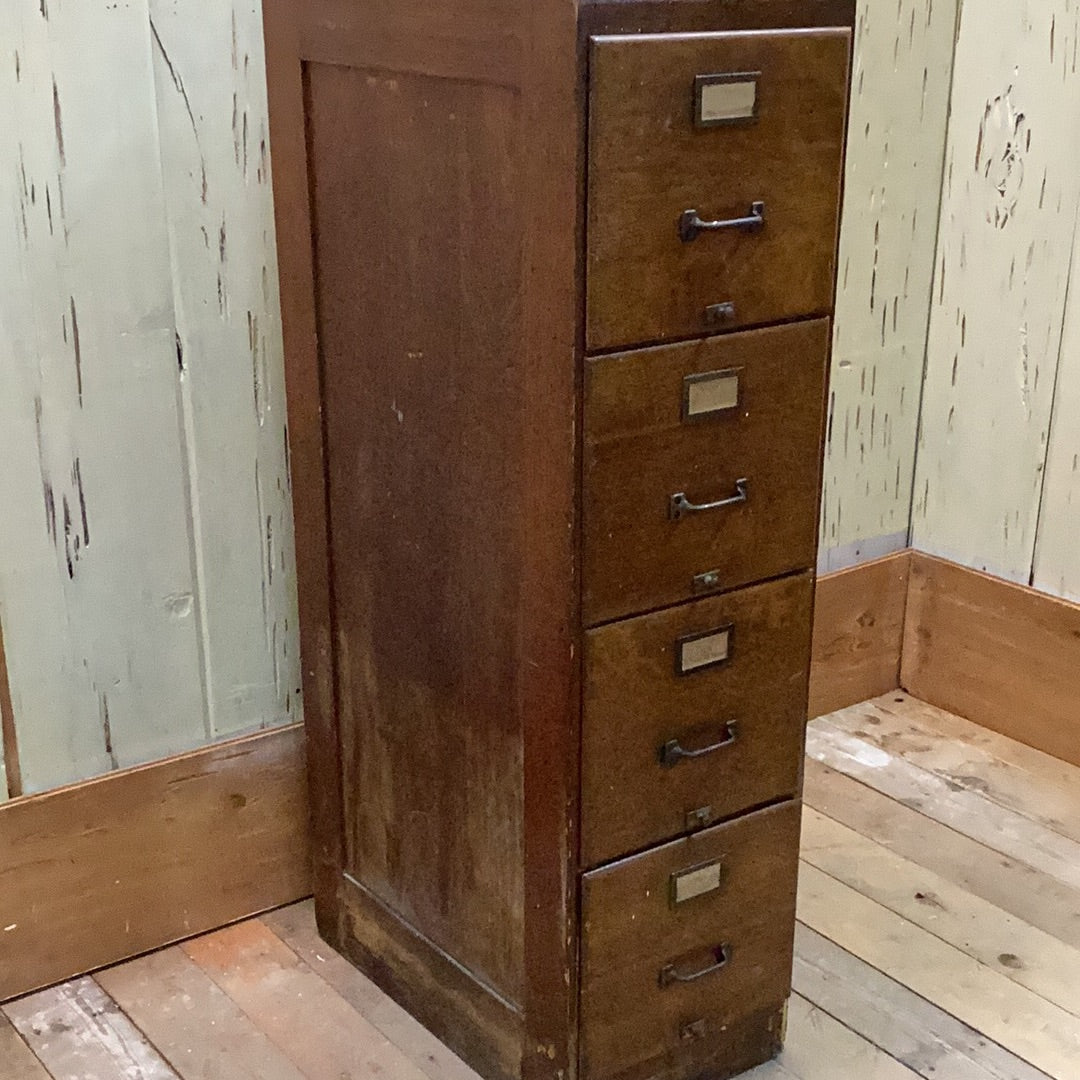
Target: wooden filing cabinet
(557,281)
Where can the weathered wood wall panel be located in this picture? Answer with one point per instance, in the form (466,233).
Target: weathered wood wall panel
(1007,223)
(1057,551)
(117,488)
(896,146)
(211,91)
(97,575)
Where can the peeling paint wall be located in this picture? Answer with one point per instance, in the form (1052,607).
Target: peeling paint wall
(1008,220)
(899,108)
(146,558)
(1057,549)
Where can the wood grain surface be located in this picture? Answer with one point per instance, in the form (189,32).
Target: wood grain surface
(108,869)
(631,1021)
(639,452)
(635,703)
(858,633)
(1000,654)
(648,163)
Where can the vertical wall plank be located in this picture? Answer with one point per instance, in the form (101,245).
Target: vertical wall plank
(1007,223)
(146,553)
(1057,552)
(97,576)
(211,91)
(10,773)
(899,108)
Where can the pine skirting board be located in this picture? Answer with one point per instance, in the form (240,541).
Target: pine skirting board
(858,633)
(106,870)
(115,867)
(999,654)
(1002,655)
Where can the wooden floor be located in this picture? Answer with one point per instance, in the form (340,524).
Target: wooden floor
(939,937)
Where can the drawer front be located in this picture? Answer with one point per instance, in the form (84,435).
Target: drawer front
(734,421)
(714,124)
(686,945)
(663,752)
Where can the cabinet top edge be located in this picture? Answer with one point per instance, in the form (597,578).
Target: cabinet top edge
(625,17)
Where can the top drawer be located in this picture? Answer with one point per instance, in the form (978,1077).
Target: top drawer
(730,126)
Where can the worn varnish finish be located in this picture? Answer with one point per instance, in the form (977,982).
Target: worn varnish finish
(413,442)
(639,452)
(636,703)
(901,83)
(1008,216)
(129,532)
(648,163)
(441,492)
(502,517)
(639,1022)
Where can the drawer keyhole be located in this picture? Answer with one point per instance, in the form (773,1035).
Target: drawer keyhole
(694,1032)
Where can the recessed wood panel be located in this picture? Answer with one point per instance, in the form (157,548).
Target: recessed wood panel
(417,253)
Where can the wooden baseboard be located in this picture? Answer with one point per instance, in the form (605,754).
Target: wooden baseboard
(999,654)
(105,870)
(858,633)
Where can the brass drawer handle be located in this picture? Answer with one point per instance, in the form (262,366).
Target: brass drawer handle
(670,974)
(681,506)
(671,753)
(691,225)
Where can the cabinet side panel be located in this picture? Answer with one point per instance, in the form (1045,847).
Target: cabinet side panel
(418,263)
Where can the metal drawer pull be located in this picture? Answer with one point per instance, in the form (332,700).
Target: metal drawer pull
(671,753)
(691,225)
(671,974)
(681,505)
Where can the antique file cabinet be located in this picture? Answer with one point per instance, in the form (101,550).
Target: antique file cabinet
(557,280)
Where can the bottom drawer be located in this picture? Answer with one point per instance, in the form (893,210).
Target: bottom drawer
(687,952)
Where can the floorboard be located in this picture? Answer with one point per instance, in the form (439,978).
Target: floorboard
(1001,770)
(994,938)
(963,809)
(1034,1029)
(78,1032)
(939,938)
(196,1026)
(976,867)
(17,1060)
(295,925)
(927,1039)
(316,1028)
